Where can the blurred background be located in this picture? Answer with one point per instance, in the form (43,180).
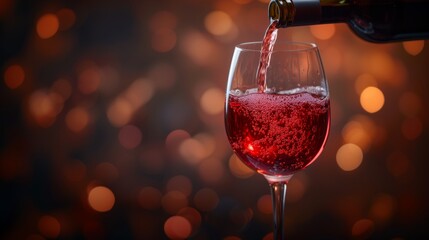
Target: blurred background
(111,127)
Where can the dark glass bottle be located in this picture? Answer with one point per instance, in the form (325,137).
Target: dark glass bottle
(372,20)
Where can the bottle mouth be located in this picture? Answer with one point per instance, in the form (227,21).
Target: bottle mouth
(281,11)
(285,12)
(273,11)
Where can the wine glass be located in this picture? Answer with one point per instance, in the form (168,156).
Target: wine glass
(278,126)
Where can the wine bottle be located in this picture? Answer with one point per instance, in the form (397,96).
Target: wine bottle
(372,20)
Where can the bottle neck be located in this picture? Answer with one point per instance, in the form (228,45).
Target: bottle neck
(307,12)
(372,20)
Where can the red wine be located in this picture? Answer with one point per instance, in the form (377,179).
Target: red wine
(268,42)
(278,134)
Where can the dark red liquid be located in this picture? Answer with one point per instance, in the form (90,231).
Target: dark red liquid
(277,134)
(268,42)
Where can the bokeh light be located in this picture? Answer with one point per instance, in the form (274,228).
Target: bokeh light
(363,228)
(47,25)
(323,32)
(77,119)
(49,226)
(130,136)
(177,227)
(372,99)
(383,208)
(193,151)
(265,205)
(14,76)
(212,101)
(163,37)
(163,19)
(193,216)
(139,93)
(101,199)
(43,107)
(120,112)
(238,168)
(175,138)
(413,47)
(296,187)
(361,130)
(349,157)
(89,80)
(218,23)
(199,48)
(164,40)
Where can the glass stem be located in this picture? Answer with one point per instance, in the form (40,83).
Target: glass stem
(278,193)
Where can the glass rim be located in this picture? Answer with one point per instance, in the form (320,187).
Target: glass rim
(279,46)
